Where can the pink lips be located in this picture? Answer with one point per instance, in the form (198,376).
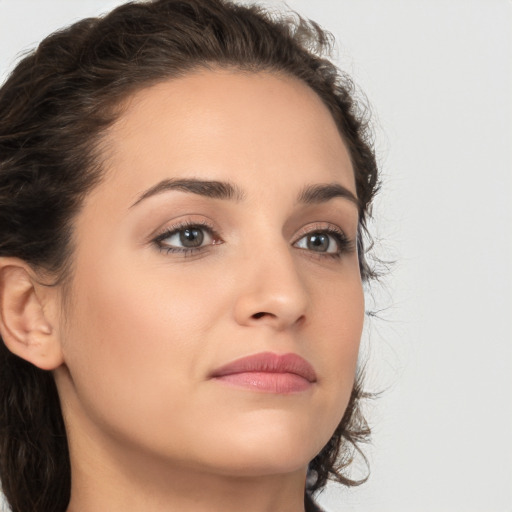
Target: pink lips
(268,372)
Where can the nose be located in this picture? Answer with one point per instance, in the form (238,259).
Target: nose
(271,291)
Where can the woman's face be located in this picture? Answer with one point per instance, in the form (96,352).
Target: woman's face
(225,228)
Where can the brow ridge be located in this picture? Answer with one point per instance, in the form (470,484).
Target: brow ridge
(323,192)
(207,188)
(310,194)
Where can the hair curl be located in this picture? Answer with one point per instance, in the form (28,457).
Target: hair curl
(54,109)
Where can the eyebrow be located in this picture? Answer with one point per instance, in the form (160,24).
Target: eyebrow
(310,194)
(211,189)
(323,192)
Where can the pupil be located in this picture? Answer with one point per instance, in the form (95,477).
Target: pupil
(191,237)
(318,242)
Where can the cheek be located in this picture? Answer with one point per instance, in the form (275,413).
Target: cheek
(340,314)
(142,334)
(135,337)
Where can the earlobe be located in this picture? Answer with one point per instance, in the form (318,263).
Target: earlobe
(24,326)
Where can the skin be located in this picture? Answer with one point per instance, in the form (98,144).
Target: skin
(141,330)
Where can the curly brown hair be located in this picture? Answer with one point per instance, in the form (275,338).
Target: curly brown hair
(54,109)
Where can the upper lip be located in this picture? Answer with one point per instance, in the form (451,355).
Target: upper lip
(270,363)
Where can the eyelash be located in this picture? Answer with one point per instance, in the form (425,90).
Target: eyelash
(344,244)
(176,228)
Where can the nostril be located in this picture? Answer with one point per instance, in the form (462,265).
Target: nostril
(258,315)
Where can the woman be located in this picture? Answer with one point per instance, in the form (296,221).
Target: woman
(184,190)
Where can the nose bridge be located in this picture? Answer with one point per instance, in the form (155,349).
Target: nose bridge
(272,289)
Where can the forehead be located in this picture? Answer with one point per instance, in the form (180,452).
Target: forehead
(227,125)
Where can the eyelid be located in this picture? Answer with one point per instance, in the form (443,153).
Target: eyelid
(344,242)
(318,226)
(173,229)
(179,225)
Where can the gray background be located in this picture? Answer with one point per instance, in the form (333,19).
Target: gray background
(438,75)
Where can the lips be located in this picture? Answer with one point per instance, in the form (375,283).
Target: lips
(268,372)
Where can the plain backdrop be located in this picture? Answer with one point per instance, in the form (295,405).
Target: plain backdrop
(438,76)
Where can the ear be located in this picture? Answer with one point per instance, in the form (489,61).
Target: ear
(26,322)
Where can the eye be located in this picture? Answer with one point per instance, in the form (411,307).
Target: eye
(189,237)
(186,238)
(318,242)
(326,241)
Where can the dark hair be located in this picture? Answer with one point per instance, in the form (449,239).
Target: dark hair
(54,109)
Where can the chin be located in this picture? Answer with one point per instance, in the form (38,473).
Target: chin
(271,450)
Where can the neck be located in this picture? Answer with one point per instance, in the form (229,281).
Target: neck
(186,491)
(106,478)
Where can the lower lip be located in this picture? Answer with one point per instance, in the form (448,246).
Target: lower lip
(267,382)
